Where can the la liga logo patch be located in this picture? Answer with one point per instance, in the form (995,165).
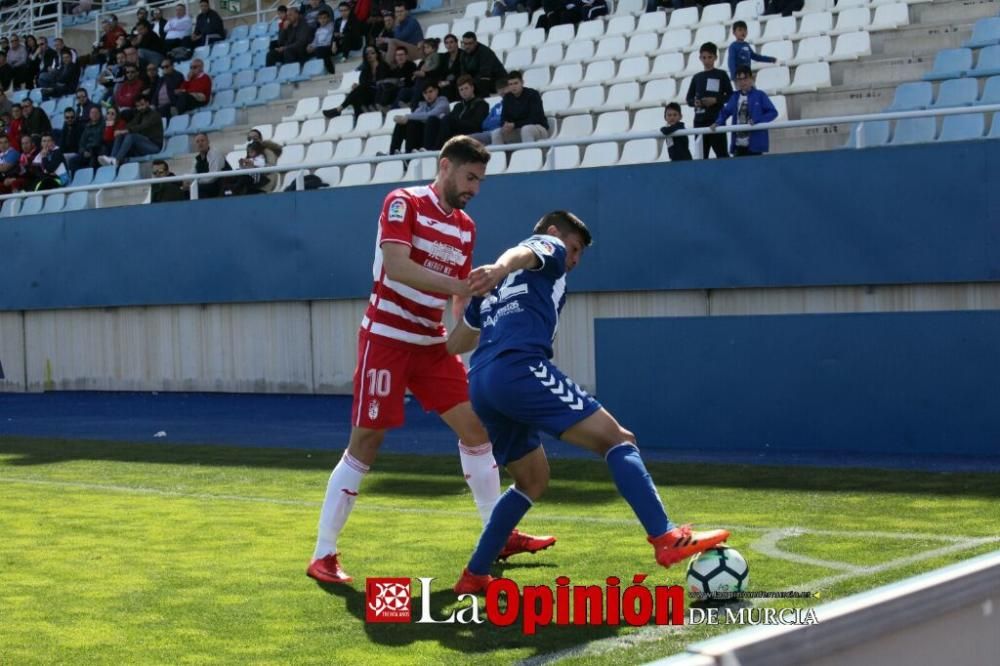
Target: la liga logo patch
(387,600)
(397,210)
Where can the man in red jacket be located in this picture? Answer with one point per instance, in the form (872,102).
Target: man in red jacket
(196,91)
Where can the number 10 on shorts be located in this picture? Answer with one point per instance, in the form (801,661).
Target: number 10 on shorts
(379,383)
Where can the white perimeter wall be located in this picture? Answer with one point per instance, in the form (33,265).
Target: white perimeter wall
(311,347)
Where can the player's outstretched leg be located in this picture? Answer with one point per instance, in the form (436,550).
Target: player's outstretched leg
(601,433)
(531,477)
(482,474)
(341,494)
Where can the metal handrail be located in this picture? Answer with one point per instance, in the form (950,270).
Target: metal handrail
(549,143)
(26,18)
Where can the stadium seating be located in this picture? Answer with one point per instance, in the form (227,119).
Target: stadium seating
(988,63)
(962,127)
(957,92)
(912,96)
(914,130)
(873,134)
(986,32)
(950,64)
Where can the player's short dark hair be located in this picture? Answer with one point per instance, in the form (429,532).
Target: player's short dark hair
(739,24)
(515,75)
(674,106)
(567,223)
(709,47)
(464,150)
(745,71)
(465,79)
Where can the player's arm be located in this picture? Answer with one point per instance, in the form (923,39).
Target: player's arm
(462,338)
(399,267)
(518,258)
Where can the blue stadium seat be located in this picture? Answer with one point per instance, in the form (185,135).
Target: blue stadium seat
(259,29)
(76,201)
(272,29)
(18,96)
(245,96)
(223,81)
(985,32)
(957,92)
(242,61)
(260,44)
(239,46)
(200,122)
(243,79)
(32,205)
(90,74)
(202,52)
(220,65)
(223,99)
(127,172)
(427,6)
(220,49)
(48,106)
(991,91)
(963,128)
(35,95)
(177,145)
(268,93)
(950,64)
(54,203)
(313,68)
(222,119)
(995,128)
(179,124)
(912,96)
(239,32)
(182,68)
(259,60)
(914,130)
(57,120)
(82,177)
(988,63)
(266,75)
(874,133)
(104,174)
(290,72)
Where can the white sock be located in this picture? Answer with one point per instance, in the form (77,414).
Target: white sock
(482,475)
(341,492)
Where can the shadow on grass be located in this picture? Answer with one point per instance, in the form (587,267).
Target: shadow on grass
(464,638)
(577,481)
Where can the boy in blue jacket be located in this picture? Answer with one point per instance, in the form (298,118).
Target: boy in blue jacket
(741,53)
(748,107)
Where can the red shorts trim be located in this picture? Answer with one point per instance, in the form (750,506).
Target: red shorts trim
(384,372)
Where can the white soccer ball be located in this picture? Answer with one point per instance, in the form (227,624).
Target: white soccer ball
(717,573)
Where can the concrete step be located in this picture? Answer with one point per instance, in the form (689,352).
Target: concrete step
(827,137)
(840,101)
(877,71)
(919,40)
(951,13)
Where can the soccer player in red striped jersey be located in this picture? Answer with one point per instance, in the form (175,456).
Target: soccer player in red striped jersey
(423,256)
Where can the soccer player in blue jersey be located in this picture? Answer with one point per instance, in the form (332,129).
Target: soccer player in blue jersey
(517,393)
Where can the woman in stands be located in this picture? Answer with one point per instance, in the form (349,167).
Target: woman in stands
(450,68)
(362,95)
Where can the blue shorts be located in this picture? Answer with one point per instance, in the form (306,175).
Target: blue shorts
(517,397)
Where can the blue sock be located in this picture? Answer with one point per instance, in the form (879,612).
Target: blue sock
(636,486)
(507,513)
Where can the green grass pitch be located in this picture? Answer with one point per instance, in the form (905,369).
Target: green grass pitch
(113,553)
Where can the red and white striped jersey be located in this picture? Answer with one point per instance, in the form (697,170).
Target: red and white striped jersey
(439,241)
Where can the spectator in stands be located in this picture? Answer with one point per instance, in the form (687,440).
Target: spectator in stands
(362,93)
(558,12)
(196,90)
(141,15)
(58,45)
(161,192)
(178,29)
(493,119)
(5,105)
(150,47)
(6,72)
(481,63)
(346,32)
(22,178)
(466,117)
(49,165)
(321,45)
(749,107)
(783,7)
(406,33)
(158,24)
(65,79)
(426,71)
(272,151)
(104,49)
(17,58)
(36,121)
(420,129)
(132,58)
(91,140)
(257,183)
(398,77)
(113,123)
(292,41)
(677,146)
(83,104)
(113,74)
(152,78)
(380,24)
(164,91)
(708,91)
(15,128)
(207,160)
(740,52)
(208,26)
(69,135)
(8,161)
(590,9)
(142,136)
(45,62)
(450,68)
(381,36)
(128,90)
(523,115)
(311,9)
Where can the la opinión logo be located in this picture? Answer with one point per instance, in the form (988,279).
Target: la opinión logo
(534,606)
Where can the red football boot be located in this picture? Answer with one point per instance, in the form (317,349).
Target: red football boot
(328,570)
(681,543)
(519,542)
(470,583)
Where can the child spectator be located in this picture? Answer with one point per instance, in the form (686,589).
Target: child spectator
(677,146)
(708,91)
(255,183)
(741,53)
(749,107)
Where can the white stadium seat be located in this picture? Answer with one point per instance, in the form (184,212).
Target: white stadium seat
(579,51)
(531,38)
(305,107)
(563,157)
(503,41)
(525,160)
(567,75)
(630,7)
(622,94)
(812,49)
(497,163)
(890,16)
(348,149)
(550,54)
(778,28)
(613,122)
(574,127)
(632,69)
(784,51)
(377,144)
(388,172)
(652,22)
(639,151)
(710,33)
(463,25)
(850,20)
(658,92)
(774,79)
(748,9)
(556,100)
(338,127)
(810,77)
(311,130)
(519,58)
(620,25)
(667,64)
(642,45)
(588,98)
(537,77)
(476,9)
(292,155)
(355,174)
(515,21)
(647,120)
(851,46)
(721,13)
(488,26)
(561,34)
(683,18)
(321,151)
(600,154)
(286,132)
(366,123)
(436,31)
(598,72)
(590,30)
(818,23)
(610,47)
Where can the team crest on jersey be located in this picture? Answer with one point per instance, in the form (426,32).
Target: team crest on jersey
(373,410)
(542,246)
(397,210)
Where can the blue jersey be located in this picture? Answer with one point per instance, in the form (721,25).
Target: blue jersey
(522,312)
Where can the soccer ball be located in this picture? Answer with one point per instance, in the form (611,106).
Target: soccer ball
(716,573)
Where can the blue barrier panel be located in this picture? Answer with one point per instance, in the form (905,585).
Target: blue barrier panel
(902,383)
(907,214)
